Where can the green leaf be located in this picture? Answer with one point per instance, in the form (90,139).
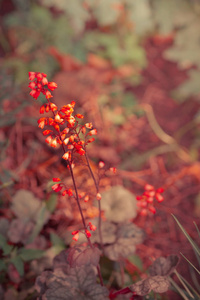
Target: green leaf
(101,8)
(197,228)
(172,13)
(19,265)
(27,207)
(135,259)
(190,263)
(2,265)
(41,220)
(189,87)
(119,52)
(56,240)
(51,203)
(114,208)
(4,245)
(30,254)
(74,10)
(141,15)
(193,244)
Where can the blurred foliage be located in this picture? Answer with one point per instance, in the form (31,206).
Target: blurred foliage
(115,30)
(119,50)
(120,27)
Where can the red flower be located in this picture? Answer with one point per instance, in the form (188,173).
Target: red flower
(32,75)
(98,196)
(88,233)
(35,93)
(52,86)
(93,132)
(66,156)
(76,235)
(45,132)
(48,94)
(57,187)
(92,227)
(79,116)
(91,140)
(56,179)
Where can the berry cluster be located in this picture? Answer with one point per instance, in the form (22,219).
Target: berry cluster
(146,202)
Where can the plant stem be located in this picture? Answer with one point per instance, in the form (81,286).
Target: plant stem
(99,201)
(123,291)
(79,205)
(83,220)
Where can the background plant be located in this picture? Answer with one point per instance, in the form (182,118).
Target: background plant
(131,136)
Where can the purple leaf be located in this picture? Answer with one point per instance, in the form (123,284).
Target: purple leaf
(127,236)
(141,287)
(79,284)
(164,266)
(159,284)
(80,256)
(60,261)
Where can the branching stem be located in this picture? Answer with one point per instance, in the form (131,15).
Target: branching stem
(79,205)
(99,201)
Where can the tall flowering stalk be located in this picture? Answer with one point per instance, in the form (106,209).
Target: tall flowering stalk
(64,130)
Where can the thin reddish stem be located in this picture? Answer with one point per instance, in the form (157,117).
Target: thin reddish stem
(124,291)
(78,203)
(99,201)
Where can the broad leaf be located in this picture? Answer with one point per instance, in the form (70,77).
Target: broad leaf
(141,15)
(159,284)
(66,283)
(30,254)
(83,256)
(42,218)
(4,246)
(27,207)
(119,204)
(4,225)
(56,240)
(2,266)
(141,288)
(127,237)
(20,230)
(51,203)
(60,261)
(164,266)
(100,10)
(79,284)
(108,232)
(171,14)
(74,10)
(19,264)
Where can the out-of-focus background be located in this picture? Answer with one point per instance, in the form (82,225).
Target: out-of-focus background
(132,66)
